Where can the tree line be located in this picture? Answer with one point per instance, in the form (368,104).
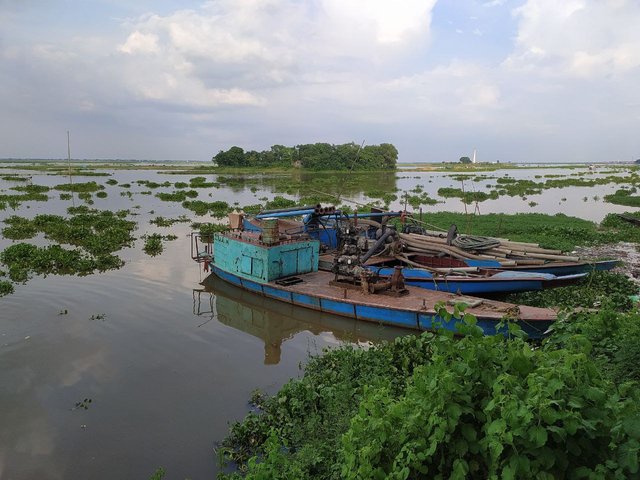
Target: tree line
(313,156)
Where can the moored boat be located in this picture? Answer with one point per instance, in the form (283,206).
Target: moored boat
(287,270)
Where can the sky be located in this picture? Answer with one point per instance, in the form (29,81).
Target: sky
(520,81)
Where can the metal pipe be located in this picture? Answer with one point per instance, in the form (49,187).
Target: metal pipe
(388,233)
(290,209)
(292,213)
(373,214)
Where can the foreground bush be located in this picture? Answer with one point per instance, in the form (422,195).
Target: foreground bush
(431,406)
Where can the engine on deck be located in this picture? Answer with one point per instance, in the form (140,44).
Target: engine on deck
(351,255)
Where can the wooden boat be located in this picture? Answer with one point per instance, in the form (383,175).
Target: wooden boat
(629,218)
(288,271)
(554,268)
(472,280)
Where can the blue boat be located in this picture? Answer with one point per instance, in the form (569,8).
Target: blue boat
(482,282)
(556,268)
(321,224)
(287,270)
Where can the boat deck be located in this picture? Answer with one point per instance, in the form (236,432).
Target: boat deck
(317,284)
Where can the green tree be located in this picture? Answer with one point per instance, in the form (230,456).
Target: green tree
(465,160)
(234,157)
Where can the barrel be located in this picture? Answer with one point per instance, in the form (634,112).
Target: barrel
(270,231)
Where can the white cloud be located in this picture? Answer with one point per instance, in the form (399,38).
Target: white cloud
(140,43)
(586,38)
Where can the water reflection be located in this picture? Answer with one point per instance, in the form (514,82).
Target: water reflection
(275,322)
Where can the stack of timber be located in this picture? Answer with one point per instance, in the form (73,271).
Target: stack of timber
(506,252)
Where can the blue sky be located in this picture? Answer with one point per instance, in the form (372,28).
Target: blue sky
(523,81)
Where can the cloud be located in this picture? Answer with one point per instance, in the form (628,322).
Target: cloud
(185,82)
(582,38)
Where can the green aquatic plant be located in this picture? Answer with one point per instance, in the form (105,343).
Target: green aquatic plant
(153,243)
(31,188)
(177,196)
(101,194)
(19,228)
(201,182)
(79,187)
(467,197)
(24,260)
(598,290)
(14,177)
(217,209)
(153,185)
(208,229)
(624,197)
(167,222)
(111,181)
(6,288)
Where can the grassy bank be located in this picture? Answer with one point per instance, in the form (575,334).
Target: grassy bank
(430,406)
(550,231)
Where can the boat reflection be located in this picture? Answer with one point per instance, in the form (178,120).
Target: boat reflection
(276,322)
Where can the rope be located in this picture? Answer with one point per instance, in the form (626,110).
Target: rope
(472,242)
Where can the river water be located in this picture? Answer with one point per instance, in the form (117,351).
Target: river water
(168,362)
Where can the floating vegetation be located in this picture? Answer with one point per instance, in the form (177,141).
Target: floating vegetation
(101,194)
(624,197)
(98,316)
(180,185)
(167,222)
(153,185)
(416,201)
(208,229)
(599,290)
(153,243)
(83,404)
(31,188)
(111,181)
(97,233)
(86,197)
(79,187)
(280,202)
(201,182)
(14,177)
(217,209)
(15,200)
(467,197)
(6,288)
(19,228)
(178,196)
(25,259)
(66,196)
(125,185)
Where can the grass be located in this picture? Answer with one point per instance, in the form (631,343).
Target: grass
(558,231)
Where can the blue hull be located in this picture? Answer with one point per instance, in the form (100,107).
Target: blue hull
(417,319)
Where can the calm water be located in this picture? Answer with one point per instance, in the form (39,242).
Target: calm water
(173,361)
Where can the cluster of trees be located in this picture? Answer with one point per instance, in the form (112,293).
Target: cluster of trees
(314,156)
